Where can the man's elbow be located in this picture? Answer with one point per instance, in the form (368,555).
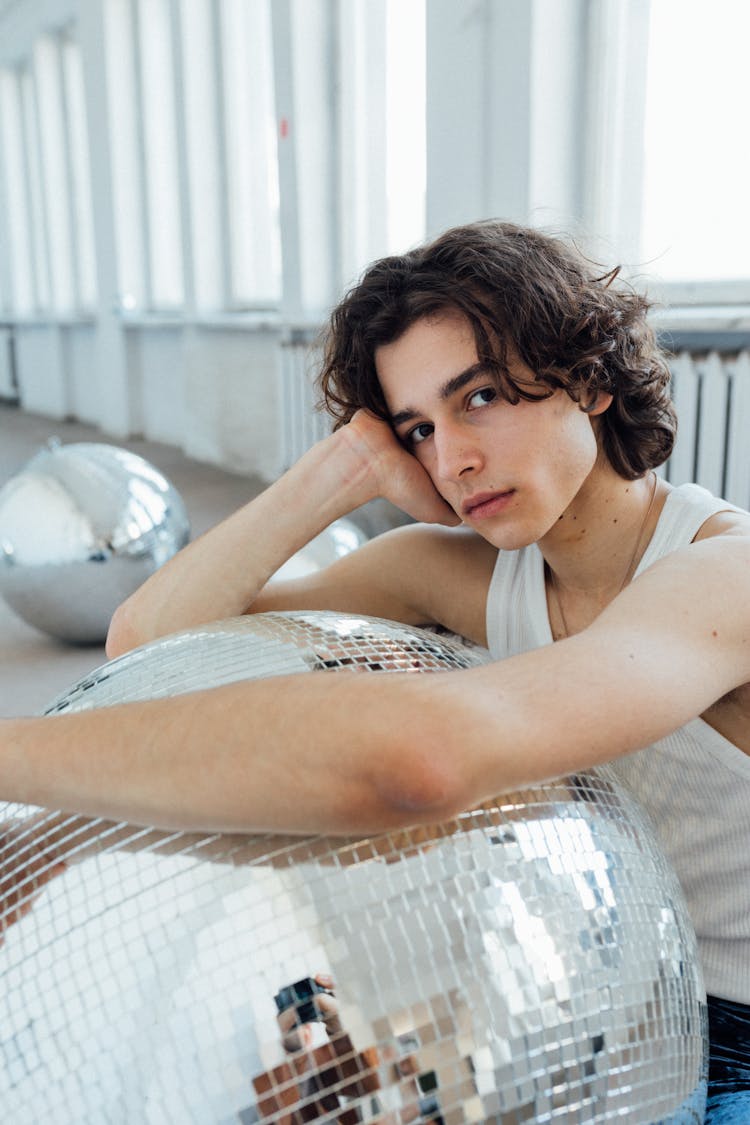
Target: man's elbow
(421,783)
(122,636)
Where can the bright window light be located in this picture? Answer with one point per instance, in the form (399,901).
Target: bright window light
(80,174)
(697,160)
(160,154)
(13,166)
(406,158)
(127,187)
(250,150)
(38,226)
(53,154)
(203,152)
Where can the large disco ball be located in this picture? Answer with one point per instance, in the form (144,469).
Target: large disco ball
(530,961)
(81,527)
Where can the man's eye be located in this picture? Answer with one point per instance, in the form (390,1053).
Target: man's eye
(419,433)
(482,397)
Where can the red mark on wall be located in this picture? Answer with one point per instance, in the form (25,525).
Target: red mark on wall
(284,128)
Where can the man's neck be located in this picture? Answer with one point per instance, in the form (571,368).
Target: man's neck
(595,546)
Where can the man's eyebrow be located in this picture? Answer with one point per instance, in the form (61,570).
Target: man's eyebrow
(449,388)
(458,382)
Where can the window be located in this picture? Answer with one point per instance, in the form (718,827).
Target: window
(125,154)
(197,154)
(147,205)
(46,102)
(81,209)
(194,138)
(155,69)
(695,222)
(204,160)
(406,171)
(22,296)
(46,181)
(254,252)
(33,177)
(381,130)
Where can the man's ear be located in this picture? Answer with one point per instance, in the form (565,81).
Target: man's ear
(601,403)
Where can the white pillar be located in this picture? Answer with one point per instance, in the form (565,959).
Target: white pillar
(116,411)
(304,41)
(505,92)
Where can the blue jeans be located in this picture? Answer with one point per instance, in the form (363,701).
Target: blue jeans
(728,1063)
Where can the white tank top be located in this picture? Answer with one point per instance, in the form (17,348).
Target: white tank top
(695,783)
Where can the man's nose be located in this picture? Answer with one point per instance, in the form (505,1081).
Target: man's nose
(457,452)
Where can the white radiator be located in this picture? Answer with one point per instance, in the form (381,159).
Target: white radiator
(712,397)
(301,424)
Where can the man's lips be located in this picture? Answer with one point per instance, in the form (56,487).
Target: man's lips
(486,503)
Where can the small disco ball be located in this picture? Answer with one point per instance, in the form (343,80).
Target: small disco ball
(528,961)
(81,527)
(338,539)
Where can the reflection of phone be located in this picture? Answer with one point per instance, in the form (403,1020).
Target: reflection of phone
(429,1105)
(301,995)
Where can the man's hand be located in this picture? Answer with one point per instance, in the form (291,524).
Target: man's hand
(392,472)
(309,1086)
(311,1083)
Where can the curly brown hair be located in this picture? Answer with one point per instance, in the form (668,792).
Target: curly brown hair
(575,327)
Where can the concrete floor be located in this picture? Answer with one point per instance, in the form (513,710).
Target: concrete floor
(35,668)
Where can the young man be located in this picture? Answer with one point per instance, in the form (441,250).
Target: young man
(515,404)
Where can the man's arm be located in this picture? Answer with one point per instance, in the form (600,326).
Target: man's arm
(221,573)
(411,575)
(347,752)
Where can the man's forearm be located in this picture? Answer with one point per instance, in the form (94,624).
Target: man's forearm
(306,754)
(345,752)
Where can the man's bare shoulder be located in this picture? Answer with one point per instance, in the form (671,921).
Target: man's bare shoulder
(450,572)
(442,544)
(696,598)
(418,574)
(731,522)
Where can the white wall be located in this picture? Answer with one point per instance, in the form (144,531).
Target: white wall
(232,399)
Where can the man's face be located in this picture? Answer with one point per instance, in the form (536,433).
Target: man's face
(509,471)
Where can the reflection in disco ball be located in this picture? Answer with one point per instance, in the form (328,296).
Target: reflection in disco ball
(529,961)
(338,539)
(81,527)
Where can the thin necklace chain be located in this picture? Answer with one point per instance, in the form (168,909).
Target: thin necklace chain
(628,573)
